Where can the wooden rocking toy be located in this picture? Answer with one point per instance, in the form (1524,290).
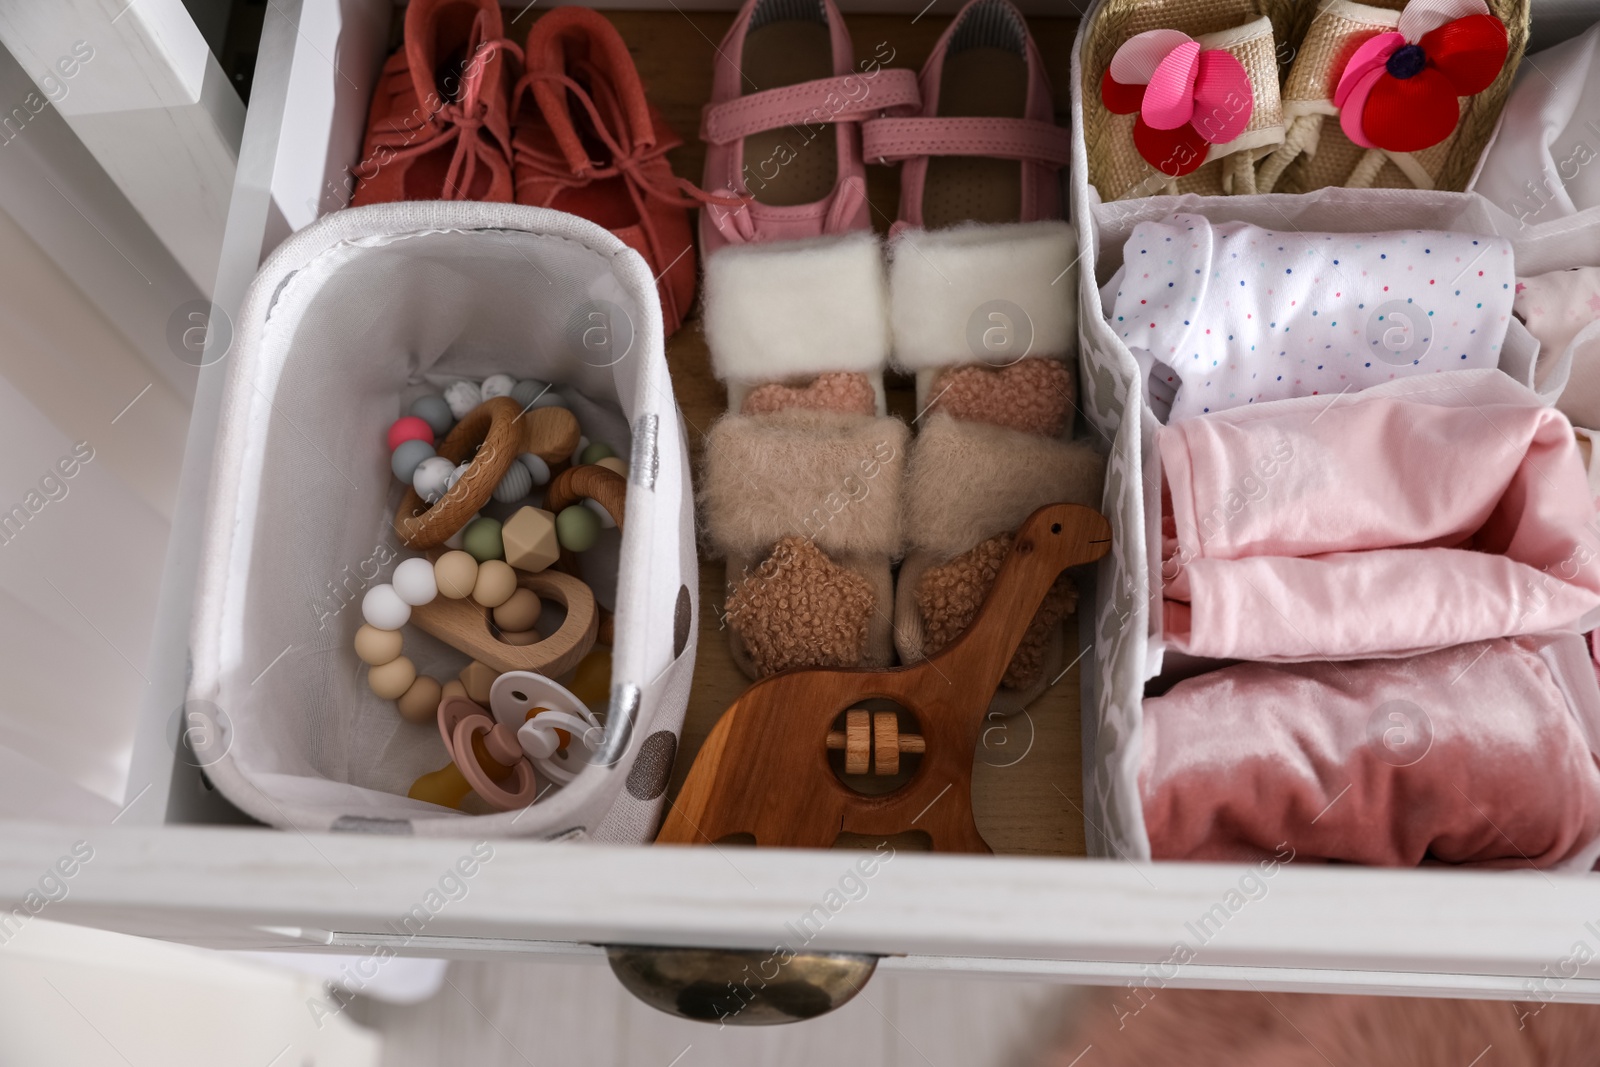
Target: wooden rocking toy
(764,769)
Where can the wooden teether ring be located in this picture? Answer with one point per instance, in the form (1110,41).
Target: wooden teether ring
(492,429)
(572,486)
(601,484)
(605,487)
(464,626)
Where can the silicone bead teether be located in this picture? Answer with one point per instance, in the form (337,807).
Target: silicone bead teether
(538,468)
(519,613)
(462,397)
(392,679)
(577,528)
(414,581)
(496,582)
(432,409)
(482,539)
(409,428)
(408,457)
(420,703)
(456,573)
(383,608)
(376,647)
(431,477)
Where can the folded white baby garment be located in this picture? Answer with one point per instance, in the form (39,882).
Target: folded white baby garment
(1562,310)
(1223,314)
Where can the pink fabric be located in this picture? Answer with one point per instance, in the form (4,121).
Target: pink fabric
(1480,754)
(1169,97)
(1219,87)
(1419,514)
(1041,179)
(1136,60)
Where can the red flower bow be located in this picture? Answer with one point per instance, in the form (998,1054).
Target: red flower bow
(1399,90)
(1188,98)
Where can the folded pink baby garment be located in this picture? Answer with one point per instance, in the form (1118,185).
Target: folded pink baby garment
(1562,310)
(1419,514)
(1481,754)
(1223,314)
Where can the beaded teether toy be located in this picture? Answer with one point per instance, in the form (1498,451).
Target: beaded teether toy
(485,597)
(494,435)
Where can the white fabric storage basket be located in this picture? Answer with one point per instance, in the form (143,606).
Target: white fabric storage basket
(346,323)
(1127,647)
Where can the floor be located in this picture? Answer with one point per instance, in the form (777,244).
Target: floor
(574,1013)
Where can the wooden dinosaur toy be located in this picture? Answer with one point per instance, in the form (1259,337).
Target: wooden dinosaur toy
(764,768)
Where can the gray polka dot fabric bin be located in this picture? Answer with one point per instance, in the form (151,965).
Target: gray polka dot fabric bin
(347,322)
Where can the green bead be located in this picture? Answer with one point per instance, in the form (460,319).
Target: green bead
(576,528)
(482,540)
(596,452)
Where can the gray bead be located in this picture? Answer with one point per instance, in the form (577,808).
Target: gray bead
(537,468)
(527,391)
(432,409)
(406,458)
(516,484)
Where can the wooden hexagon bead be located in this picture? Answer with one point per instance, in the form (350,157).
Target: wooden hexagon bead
(478,677)
(530,537)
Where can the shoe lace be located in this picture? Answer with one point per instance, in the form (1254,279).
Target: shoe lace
(458,120)
(629,159)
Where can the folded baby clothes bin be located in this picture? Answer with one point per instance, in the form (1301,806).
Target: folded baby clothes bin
(348,322)
(1128,647)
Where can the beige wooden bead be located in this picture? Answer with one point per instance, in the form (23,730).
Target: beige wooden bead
(614,463)
(478,677)
(392,679)
(456,573)
(377,647)
(496,583)
(519,613)
(420,703)
(453,688)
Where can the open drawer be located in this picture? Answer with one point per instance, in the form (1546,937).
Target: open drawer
(180,864)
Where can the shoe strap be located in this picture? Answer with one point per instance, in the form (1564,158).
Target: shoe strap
(891,140)
(846,98)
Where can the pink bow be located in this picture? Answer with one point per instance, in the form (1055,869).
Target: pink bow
(1188,98)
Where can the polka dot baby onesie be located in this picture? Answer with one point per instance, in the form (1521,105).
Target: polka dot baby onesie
(1222,314)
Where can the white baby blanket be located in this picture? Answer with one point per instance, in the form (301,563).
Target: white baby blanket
(1223,314)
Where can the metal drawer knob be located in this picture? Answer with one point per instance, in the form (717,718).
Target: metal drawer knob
(741,987)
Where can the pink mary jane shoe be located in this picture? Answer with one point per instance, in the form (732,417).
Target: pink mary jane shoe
(985,147)
(781,129)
